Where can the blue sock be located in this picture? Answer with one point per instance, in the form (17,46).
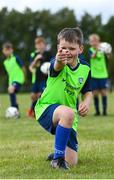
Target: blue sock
(61,139)
(104,103)
(96,104)
(13,100)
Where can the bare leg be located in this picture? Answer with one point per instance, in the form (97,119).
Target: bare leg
(71,156)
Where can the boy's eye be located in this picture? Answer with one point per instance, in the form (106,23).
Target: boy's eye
(71,49)
(64,48)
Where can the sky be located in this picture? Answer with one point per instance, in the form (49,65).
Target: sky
(94,7)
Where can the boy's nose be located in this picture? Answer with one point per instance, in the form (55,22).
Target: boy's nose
(67,51)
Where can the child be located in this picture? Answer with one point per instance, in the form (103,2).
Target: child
(99,74)
(56,109)
(16,72)
(39,56)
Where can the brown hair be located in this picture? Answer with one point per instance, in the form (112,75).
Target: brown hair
(72,35)
(39,40)
(96,36)
(7,45)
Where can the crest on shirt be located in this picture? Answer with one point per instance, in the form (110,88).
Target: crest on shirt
(80,80)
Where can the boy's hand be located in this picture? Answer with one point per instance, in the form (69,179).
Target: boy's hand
(62,56)
(83,109)
(36,62)
(94,55)
(38,57)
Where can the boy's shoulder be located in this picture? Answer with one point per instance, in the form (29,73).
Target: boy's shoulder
(32,54)
(92,49)
(83,62)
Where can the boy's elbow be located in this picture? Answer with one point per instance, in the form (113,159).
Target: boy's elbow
(30,68)
(89,93)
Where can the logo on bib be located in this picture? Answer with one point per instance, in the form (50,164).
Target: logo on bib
(81,80)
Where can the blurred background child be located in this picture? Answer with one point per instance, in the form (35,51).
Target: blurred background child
(99,73)
(15,69)
(37,58)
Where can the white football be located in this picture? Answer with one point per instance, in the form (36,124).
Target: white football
(105,47)
(45,67)
(12,112)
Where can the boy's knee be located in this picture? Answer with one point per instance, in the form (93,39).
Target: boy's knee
(11,89)
(64,115)
(68,116)
(33,97)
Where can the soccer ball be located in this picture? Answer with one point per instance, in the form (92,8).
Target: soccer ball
(12,112)
(45,67)
(105,47)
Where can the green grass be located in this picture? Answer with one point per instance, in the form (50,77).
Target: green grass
(24,146)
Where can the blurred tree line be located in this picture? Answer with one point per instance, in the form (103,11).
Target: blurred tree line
(22,27)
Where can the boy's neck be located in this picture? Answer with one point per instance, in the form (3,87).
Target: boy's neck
(9,56)
(74,63)
(40,51)
(96,47)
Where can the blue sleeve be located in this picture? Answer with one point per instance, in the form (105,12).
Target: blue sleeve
(52,71)
(90,53)
(87,86)
(82,57)
(19,61)
(30,60)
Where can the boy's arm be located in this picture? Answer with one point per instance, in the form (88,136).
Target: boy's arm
(35,63)
(22,65)
(109,56)
(60,60)
(87,96)
(92,55)
(85,104)
(24,71)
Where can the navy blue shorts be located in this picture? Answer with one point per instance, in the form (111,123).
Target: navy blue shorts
(98,84)
(45,121)
(16,85)
(38,87)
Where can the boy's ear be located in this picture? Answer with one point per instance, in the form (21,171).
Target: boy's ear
(81,49)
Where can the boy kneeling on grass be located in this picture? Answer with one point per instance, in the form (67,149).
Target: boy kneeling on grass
(56,110)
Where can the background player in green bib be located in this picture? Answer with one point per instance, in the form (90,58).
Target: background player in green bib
(37,58)
(99,73)
(15,69)
(56,109)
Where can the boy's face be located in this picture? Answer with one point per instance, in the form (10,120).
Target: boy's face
(7,51)
(94,41)
(73,50)
(40,47)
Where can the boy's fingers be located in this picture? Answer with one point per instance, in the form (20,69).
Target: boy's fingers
(62,58)
(63,51)
(83,109)
(60,50)
(81,106)
(83,113)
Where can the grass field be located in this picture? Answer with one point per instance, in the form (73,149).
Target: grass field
(24,146)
